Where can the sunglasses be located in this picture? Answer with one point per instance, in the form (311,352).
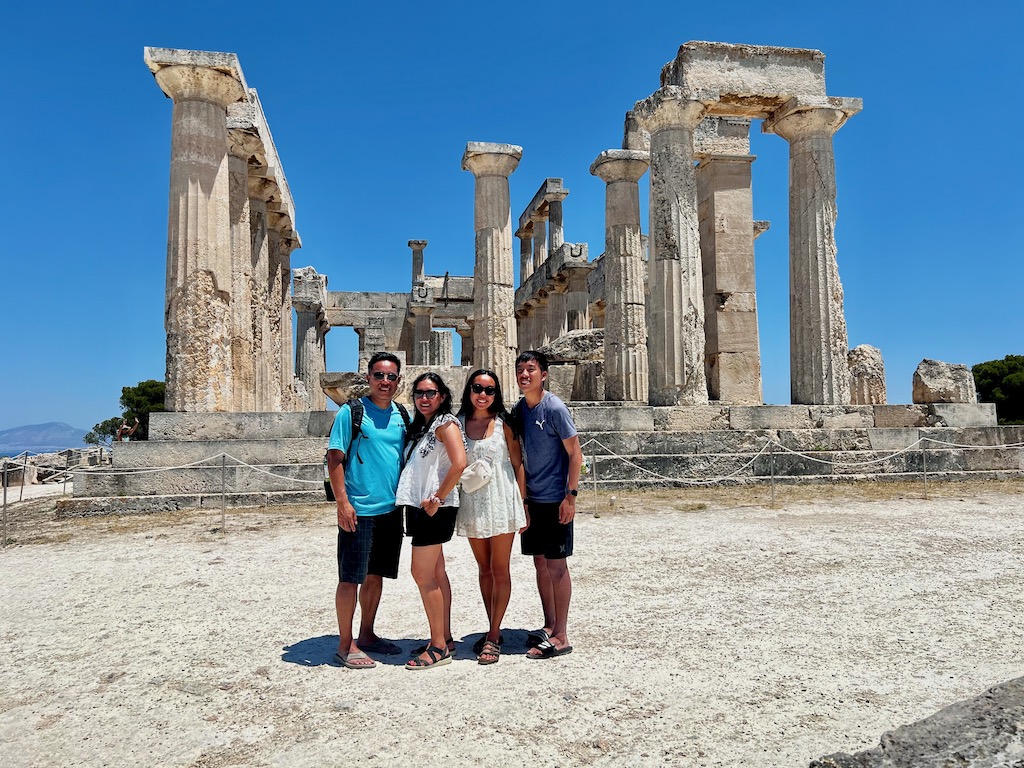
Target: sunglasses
(430,394)
(380,376)
(481,389)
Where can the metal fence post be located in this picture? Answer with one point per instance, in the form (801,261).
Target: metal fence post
(223,518)
(771,464)
(5,503)
(24,471)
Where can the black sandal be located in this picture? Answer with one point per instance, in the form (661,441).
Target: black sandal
(419,651)
(438,658)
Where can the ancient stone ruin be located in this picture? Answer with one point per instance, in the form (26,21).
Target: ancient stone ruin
(654,341)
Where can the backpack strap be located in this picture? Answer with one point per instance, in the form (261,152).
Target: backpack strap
(355,405)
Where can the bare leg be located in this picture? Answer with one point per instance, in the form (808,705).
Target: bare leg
(424,573)
(441,577)
(547,592)
(501,582)
(482,552)
(561,588)
(345,606)
(369,600)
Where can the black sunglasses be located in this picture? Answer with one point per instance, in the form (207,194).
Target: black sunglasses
(430,394)
(380,376)
(481,389)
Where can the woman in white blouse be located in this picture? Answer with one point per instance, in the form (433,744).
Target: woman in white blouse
(428,489)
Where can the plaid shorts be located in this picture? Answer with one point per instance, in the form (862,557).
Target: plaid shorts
(374,547)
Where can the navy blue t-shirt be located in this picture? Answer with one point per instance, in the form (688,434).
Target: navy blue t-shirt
(547,464)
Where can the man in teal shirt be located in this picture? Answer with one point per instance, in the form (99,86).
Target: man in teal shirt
(364,476)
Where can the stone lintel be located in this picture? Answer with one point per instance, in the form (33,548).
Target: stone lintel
(705,159)
(484,158)
(550,189)
(745,80)
(844,107)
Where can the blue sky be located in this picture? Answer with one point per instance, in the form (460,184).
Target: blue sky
(371,107)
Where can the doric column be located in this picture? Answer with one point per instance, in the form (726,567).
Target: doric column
(198,316)
(557,311)
(625,323)
(577,300)
(440,348)
(818,340)
(277,288)
(243,359)
(310,299)
(417,260)
(540,239)
(494,325)
(525,254)
(675,313)
(423,323)
(466,335)
(540,327)
(259,292)
(556,229)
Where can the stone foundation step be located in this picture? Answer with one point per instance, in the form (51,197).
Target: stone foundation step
(70,506)
(200,479)
(239,426)
(178,453)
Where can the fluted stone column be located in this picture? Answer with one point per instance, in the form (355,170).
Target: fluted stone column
(494,325)
(540,239)
(198,315)
(818,341)
(541,324)
(525,254)
(259,292)
(577,300)
(556,229)
(625,322)
(557,312)
(675,312)
(440,348)
(423,318)
(242,356)
(418,247)
(311,327)
(277,287)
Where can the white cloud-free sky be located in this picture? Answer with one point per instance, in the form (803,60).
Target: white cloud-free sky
(371,106)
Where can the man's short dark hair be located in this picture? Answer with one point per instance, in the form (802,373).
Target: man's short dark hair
(379,357)
(533,355)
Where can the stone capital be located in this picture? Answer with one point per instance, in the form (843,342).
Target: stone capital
(668,108)
(620,165)
(417,245)
(538,216)
(188,82)
(801,118)
(556,196)
(489,159)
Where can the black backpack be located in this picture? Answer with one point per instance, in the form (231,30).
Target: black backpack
(355,405)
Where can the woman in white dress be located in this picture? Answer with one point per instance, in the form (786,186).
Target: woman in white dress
(428,489)
(491,515)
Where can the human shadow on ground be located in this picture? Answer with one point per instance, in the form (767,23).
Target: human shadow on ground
(319,651)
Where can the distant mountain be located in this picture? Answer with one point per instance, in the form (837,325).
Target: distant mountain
(40,438)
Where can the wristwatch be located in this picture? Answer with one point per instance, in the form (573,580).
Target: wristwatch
(573,492)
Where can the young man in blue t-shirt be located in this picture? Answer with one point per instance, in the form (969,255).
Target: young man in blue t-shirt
(552,458)
(369,526)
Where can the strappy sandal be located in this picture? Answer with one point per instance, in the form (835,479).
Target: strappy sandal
(490,653)
(438,658)
(479,644)
(420,650)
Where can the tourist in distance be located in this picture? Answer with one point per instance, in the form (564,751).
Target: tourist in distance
(124,432)
(364,471)
(552,459)
(428,489)
(490,515)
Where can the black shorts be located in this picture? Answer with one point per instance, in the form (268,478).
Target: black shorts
(546,536)
(426,530)
(373,548)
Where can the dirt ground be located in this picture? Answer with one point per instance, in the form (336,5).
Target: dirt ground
(710,629)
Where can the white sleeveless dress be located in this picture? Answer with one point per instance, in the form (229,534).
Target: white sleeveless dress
(496,508)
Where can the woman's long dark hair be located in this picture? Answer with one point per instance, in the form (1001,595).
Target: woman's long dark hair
(497,405)
(420,425)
